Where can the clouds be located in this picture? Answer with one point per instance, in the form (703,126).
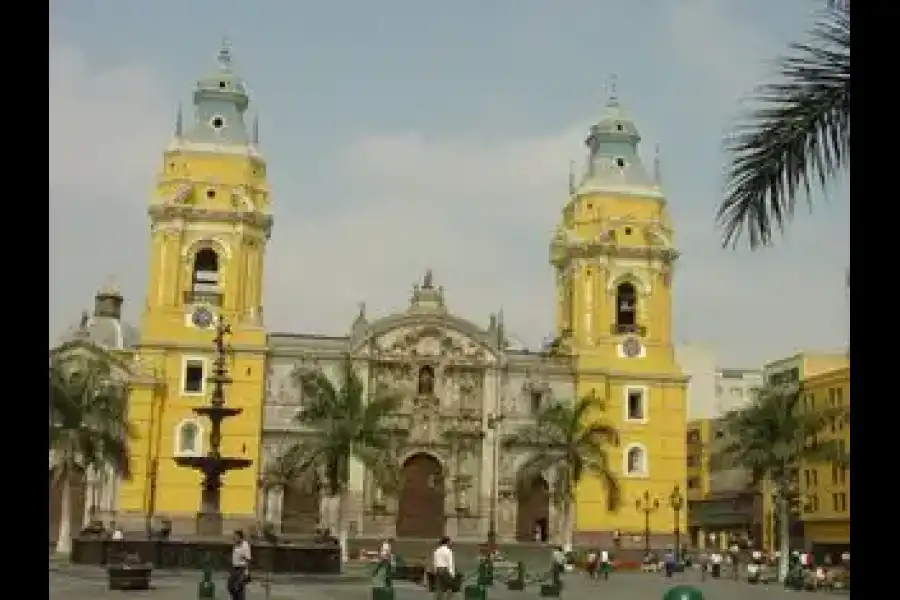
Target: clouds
(384,202)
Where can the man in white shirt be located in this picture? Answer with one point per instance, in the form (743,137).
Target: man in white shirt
(240,565)
(605,566)
(444,570)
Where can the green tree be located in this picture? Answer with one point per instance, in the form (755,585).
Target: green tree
(89,430)
(798,134)
(344,425)
(567,443)
(284,469)
(769,439)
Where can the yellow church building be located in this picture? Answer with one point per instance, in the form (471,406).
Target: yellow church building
(613,254)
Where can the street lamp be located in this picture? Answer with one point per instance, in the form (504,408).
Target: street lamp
(648,506)
(676,501)
(493,424)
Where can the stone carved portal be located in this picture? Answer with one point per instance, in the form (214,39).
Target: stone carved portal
(77,501)
(300,506)
(533,514)
(420,513)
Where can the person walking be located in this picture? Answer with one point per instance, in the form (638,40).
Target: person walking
(444,570)
(240,567)
(605,564)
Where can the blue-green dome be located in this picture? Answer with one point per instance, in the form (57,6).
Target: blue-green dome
(220,101)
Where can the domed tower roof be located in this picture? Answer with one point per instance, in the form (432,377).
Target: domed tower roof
(220,101)
(105,327)
(614,161)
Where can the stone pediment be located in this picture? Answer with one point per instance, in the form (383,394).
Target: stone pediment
(125,366)
(441,338)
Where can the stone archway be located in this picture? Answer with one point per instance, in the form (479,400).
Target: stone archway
(533,510)
(420,511)
(300,506)
(76,505)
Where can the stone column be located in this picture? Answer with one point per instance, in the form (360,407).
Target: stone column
(274,499)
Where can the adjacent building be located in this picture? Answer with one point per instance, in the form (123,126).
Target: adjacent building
(722,505)
(825,487)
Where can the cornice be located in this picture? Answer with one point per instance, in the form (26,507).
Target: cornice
(169,212)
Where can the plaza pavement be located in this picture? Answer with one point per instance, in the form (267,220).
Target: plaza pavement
(89,583)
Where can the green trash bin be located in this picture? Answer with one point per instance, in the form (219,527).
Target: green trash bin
(683,592)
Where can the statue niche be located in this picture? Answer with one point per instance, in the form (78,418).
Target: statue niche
(426,381)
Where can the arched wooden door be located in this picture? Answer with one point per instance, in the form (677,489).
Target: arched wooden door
(76,506)
(300,507)
(533,514)
(420,513)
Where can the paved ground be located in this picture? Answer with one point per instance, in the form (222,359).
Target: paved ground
(89,583)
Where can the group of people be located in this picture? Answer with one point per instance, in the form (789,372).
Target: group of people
(598,564)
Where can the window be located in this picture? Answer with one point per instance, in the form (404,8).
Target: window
(536,398)
(815,477)
(839,502)
(194,381)
(635,409)
(812,503)
(626,308)
(832,396)
(835,473)
(693,483)
(719,434)
(840,396)
(693,437)
(187,438)
(205,276)
(636,460)
(807,477)
(693,461)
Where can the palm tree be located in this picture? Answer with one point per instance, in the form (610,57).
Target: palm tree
(799,133)
(567,444)
(345,425)
(284,468)
(768,439)
(89,430)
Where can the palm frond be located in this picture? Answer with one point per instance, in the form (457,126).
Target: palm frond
(799,135)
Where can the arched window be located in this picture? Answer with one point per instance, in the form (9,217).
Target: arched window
(205,275)
(187,438)
(636,460)
(626,308)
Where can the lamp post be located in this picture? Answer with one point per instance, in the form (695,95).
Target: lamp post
(648,506)
(676,501)
(493,424)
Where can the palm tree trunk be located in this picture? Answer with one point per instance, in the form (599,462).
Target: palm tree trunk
(568,525)
(784,526)
(64,540)
(341,525)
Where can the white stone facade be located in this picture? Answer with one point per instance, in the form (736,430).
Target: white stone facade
(456,379)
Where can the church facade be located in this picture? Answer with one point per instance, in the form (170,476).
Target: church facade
(465,386)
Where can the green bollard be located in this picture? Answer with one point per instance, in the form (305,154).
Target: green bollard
(552,589)
(517,582)
(206,589)
(386,590)
(485,572)
(683,592)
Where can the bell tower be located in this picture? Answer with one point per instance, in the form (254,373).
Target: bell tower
(613,253)
(210,223)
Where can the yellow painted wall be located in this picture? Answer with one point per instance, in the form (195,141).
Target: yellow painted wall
(238,230)
(625,227)
(825,488)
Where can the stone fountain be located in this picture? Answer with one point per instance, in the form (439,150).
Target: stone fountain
(214,465)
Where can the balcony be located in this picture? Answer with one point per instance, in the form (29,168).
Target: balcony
(623,329)
(203,297)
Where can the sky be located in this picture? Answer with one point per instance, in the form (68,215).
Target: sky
(403,135)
